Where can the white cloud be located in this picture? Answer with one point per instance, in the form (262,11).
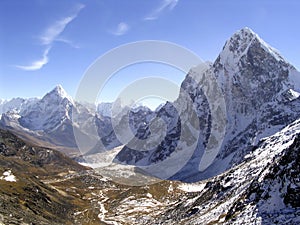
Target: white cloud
(50,35)
(69,42)
(121,29)
(165,5)
(38,64)
(53,31)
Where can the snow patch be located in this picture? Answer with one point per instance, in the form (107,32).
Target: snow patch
(192,187)
(8,176)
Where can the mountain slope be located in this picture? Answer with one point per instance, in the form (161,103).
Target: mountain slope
(264,189)
(28,194)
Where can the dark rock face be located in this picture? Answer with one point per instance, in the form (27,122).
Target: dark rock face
(287,173)
(275,193)
(163,149)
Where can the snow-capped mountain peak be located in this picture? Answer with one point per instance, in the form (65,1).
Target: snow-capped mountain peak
(248,67)
(57,94)
(59,89)
(238,45)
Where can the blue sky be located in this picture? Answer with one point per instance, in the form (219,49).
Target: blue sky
(45,43)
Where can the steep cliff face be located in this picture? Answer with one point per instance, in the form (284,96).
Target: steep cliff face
(257,96)
(260,90)
(256,81)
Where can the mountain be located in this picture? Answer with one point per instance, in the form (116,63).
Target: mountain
(44,116)
(259,95)
(104,109)
(48,120)
(55,119)
(15,104)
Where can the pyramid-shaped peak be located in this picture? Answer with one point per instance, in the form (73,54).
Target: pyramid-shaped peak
(58,92)
(240,43)
(243,38)
(246,36)
(245,31)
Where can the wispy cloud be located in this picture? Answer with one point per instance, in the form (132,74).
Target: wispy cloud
(38,64)
(67,41)
(52,32)
(164,5)
(121,29)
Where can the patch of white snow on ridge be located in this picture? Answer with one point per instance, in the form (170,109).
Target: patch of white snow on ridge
(8,176)
(192,187)
(294,93)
